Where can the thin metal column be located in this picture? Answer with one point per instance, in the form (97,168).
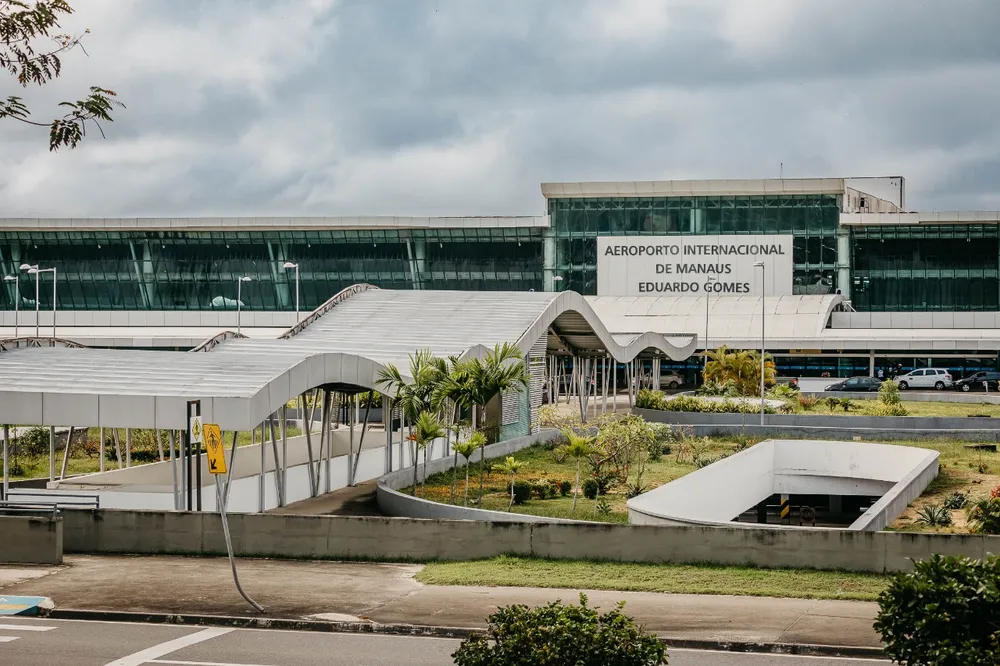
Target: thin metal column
(328,462)
(232,466)
(350,421)
(261,490)
(277,463)
(101,435)
(65,460)
(52,453)
(305,416)
(387,423)
(614,391)
(171,440)
(128,449)
(6,464)
(284,454)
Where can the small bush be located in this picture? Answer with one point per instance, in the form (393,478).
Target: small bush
(888,392)
(782,392)
(634,490)
(522,492)
(879,408)
(565,488)
(603,507)
(34,442)
(807,402)
(982,467)
(539,490)
(934,516)
(943,613)
(589,489)
(728,389)
(984,515)
(560,634)
(832,403)
(647,399)
(956,501)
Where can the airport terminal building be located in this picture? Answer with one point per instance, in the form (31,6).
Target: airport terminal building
(850,279)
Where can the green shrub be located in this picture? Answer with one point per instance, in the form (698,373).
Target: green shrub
(944,613)
(34,442)
(879,408)
(603,507)
(565,488)
(590,489)
(956,500)
(634,490)
(846,404)
(560,634)
(522,492)
(782,392)
(647,399)
(984,515)
(934,516)
(807,402)
(728,388)
(888,392)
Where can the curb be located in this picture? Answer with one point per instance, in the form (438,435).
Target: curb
(329,626)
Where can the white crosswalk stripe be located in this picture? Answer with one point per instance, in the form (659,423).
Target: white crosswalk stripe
(21,627)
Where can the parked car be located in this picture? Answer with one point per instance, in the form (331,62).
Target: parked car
(671,379)
(937,378)
(975,382)
(856,384)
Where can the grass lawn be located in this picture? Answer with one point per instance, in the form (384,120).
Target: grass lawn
(542,465)
(688,579)
(85,458)
(914,408)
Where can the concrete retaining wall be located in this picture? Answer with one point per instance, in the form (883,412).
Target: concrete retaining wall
(399,539)
(31,539)
(832,427)
(394,503)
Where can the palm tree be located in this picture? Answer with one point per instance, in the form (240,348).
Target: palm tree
(577,447)
(466,449)
(412,397)
(427,429)
(502,370)
(453,391)
(512,466)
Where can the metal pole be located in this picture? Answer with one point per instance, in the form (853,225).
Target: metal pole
(229,544)
(387,421)
(6,465)
(614,390)
(52,453)
(101,435)
(171,440)
(239,303)
(128,448)
(53,303)
(284,454)
(232,466)
(37,277)
(350,443)
(305,417)
(65,460)
(189,487)
(277,463)
(296,293)
(263,465)
(761,265)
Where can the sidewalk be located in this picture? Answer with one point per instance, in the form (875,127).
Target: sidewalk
(387,593)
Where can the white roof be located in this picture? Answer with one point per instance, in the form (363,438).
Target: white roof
(267,223)
(347,342)
(678,188)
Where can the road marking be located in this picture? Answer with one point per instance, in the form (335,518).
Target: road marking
(24,627)
(7,639)
(144,656)
(198,663)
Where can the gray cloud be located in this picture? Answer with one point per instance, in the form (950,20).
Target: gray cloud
(464,106)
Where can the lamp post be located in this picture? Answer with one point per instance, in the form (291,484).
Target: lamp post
(17,298)
(239,300)
(760,265)
(286,266)
(710,280)
(556,279)
(33,269)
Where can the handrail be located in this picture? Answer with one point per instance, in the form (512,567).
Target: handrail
(217,339)
(16,497)
(331,303)
(10,344)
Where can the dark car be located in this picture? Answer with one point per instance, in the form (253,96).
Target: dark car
(975,382)
(856,384)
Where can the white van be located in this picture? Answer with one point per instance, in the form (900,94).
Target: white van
(936,378)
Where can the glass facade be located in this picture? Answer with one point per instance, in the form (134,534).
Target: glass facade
(811,219)
(925,268)
(197,270)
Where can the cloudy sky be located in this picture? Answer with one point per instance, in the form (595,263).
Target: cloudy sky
(438,107)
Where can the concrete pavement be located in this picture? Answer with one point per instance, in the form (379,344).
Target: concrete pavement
(46,641)
(388,594)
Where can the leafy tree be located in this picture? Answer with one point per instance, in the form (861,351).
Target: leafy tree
(453,392)
(466,449)
(577,447)
(426,430)
(983,515)
(511,466)
(943,614)
(31,50)
(558,634)
(740,367)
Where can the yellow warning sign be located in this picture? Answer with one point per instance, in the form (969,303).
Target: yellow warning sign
(214,449)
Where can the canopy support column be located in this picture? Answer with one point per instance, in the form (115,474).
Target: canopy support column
(232,466)
(284,454)
(261,489)
(101,436)
(387,422)
(277,462)
(305,414)
(614,390)
(6,462)
(65,460)
(52,453)
(171,441)
(361,442)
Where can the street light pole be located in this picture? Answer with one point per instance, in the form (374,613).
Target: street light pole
(760,265)
(33,269)
(286,266)
(239,301)
(710,280)
(17,299)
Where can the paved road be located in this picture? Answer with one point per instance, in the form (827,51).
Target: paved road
(29,642)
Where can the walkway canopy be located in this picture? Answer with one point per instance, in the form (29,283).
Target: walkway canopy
(344,344)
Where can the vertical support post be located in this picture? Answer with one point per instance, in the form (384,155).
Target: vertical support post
(65,460)
(101,435)
(305,418)
(6,456)
(171,441)
(328,461)
(324,437)
(186,466)
(871,363)
(128,449)
(261,490)
(402,437)
(193,476)
(614,391)
(52,453)
(277,463)
(284,454)
(232,467)
(350,421)
(387,422)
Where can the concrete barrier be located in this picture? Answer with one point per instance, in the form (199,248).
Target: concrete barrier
(831,426)
(403,539)
(31,539)
(394,503)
